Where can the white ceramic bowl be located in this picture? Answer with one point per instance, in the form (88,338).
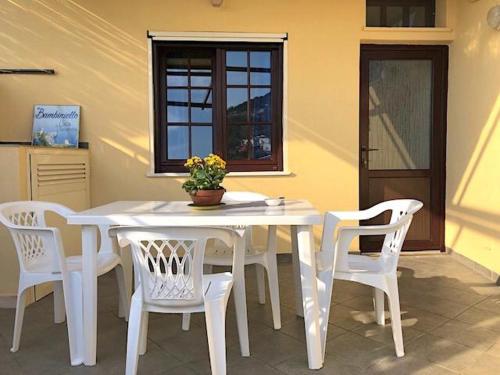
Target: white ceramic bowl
(274,201)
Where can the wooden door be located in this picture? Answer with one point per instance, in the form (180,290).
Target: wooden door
(403,91)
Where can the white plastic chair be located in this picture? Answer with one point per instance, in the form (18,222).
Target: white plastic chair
(381,272)
(169,263)
(41,259)
(264,258)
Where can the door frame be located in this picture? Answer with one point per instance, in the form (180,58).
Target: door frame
(437,173)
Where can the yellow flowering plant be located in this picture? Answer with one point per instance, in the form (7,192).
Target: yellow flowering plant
(204,174)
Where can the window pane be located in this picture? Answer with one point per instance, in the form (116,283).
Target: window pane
(237,102)
(201,140)
(417,16)
(260,59)
(257,78)
(400,104)
(236,58)
(373,16)
(238,142)
(178,138)
(177,105)
(201,106)
(261,105)
(237,78)
(201,72)
(395,16)
(261,142)
(177,72)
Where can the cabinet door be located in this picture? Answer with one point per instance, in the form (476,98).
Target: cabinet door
(61,176)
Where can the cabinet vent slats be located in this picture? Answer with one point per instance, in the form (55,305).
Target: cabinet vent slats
(60,173)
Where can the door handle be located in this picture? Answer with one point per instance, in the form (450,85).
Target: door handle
(364,155)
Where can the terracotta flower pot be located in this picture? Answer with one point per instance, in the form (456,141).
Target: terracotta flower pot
(207,197)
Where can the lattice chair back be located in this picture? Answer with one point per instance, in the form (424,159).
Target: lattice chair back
(402,213)
(39,248)
(169,261)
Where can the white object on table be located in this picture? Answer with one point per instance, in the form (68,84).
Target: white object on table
(42,259)
(178,284)
(301,215)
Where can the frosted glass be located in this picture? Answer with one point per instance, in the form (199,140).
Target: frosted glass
(400,114)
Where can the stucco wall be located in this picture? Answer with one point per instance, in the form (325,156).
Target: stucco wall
(473,170)
(98,49)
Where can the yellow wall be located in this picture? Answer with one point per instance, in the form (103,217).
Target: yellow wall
(473,171)
(98,49)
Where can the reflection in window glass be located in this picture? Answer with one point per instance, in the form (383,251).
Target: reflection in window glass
(237,102)
(257,78)
(261,142)
(373,16)
(236,58)
(261,104)
(177,113)
(201,140)
(417,16)
(237,78)
(177,72)
(178,147)
(201,106)
(260,59)
(394,16)
(238,145)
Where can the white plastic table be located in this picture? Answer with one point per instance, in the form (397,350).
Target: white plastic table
(298,214)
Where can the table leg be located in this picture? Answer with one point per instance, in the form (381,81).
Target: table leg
(240,299)
(89,253)
(310,298)
(296,271)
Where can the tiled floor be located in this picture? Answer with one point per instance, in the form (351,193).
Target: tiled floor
(451,320)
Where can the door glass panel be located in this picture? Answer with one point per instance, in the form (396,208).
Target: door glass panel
(400,114)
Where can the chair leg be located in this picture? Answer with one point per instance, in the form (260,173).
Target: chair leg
(274,290)
(123,301)
(215,315)
(261,283)
(143,344)
(186,321)
(397,332)
(59,309)
(379,305)
(73,300)
(18,325)
(135,325)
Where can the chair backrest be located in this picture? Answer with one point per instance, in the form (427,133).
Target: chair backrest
(402,212)
(38,247)
(169,261)
(243,196)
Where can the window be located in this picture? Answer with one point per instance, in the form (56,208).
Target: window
(223,98)
(400,13)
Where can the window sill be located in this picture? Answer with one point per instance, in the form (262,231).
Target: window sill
(230,174)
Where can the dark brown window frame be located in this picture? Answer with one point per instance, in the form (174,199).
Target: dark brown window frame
(429,5)
(220,126)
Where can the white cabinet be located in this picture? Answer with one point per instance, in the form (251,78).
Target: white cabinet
(46,174)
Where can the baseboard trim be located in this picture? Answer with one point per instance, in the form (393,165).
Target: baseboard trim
(482,270)
(8,301)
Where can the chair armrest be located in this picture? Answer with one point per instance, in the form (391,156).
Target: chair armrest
(59,209)
(372,230)
(359,215)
